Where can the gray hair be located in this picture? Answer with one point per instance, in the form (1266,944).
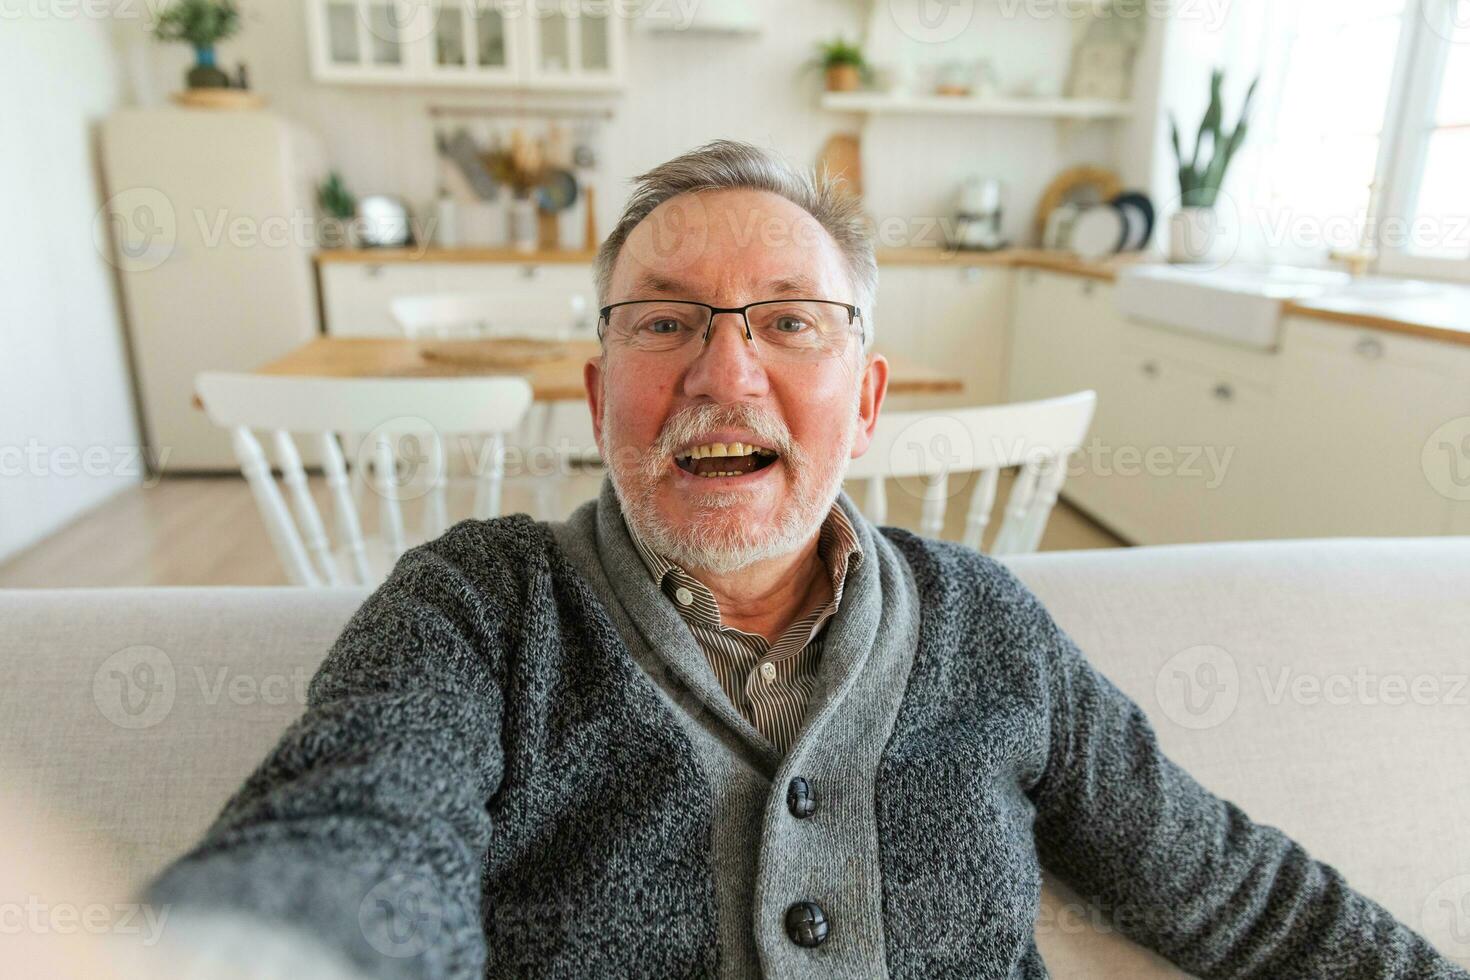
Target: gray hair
(731,165)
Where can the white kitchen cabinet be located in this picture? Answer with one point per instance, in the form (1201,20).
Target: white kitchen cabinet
(1181,452)
(1357,409)
(560,45)
(356,297)
(1340,432)
(1063,336)
(953,319)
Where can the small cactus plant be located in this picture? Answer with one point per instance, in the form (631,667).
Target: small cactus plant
(1200,180)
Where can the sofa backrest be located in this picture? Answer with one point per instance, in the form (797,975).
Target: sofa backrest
(1319,685)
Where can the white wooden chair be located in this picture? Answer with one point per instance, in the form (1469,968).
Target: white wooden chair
(396,430)
(519,310)
(928,447)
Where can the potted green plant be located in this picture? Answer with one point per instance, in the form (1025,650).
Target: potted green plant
(844,64)
(202,24)
(339,207)
(1194,228)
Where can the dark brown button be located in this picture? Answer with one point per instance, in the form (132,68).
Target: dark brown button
(799,799)
(806,924)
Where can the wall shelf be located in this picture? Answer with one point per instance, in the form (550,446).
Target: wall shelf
(960,105)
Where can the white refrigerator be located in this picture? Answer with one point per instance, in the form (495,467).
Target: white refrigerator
(210,220)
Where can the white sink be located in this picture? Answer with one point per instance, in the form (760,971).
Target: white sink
(1235,303)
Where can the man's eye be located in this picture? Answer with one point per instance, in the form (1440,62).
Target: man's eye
(664,326)
(790,324)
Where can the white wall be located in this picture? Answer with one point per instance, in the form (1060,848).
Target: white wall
(684,89)
(68,438)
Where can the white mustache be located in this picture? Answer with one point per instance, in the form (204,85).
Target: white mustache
(689,424)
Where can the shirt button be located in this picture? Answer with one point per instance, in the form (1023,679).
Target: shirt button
(768,671)
(684,596)
(806,924)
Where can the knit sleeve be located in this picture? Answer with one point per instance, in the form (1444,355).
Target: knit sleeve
(1180,870)
(366,826)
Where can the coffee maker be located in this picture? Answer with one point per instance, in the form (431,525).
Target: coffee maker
(978,215)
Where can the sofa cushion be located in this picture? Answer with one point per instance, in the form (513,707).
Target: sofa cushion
(1319,685)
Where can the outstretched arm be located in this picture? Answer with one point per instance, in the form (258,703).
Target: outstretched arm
(1184,872)
(366,826)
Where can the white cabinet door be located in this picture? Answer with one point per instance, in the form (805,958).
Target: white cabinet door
(1365,420)
(473,42)
(539,297)
(950,319)
(356,297)
(1179,457)
(572,44)
(1063,336)
(372,41)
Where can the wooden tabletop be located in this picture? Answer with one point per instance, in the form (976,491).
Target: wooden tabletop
(553,379)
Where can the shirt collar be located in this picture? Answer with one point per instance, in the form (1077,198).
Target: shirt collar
(837,546)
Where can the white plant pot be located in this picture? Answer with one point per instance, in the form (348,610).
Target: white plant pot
(1195,236)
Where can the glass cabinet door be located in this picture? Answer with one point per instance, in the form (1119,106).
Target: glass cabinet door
(493,52)
(361,37)
(573,42)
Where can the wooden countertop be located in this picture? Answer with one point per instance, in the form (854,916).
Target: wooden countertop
(1442,312)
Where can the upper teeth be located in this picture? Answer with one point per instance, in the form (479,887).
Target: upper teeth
(724,449)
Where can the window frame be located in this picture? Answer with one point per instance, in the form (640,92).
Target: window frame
(1413,99)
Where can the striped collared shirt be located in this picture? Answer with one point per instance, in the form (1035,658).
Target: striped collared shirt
(770,683)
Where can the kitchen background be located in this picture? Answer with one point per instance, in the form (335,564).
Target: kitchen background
(1027,114)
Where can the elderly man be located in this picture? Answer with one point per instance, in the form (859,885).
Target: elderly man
(717,724)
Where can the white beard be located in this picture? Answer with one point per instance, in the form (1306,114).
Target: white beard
(719,540)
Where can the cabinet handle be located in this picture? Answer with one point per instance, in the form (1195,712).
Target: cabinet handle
(1369,347)
(1088,286)
(1150,369)
(1224,392)
(1030,275)
(970,273)
(530,271)
(373,271)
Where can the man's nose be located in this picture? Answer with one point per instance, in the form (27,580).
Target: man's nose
(728,367)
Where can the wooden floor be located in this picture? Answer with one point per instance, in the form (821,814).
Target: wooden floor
(206,531)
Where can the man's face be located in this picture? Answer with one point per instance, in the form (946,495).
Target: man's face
(655,412)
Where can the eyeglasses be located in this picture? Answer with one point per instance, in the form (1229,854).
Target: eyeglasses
(781,329)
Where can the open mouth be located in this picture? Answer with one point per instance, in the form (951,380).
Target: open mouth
(724,459)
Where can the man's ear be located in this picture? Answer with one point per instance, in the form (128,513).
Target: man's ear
(870,402)
(592,381)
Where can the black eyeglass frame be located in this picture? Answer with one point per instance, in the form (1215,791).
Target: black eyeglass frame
(603,314)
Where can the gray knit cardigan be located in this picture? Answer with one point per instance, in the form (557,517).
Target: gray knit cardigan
(516,763)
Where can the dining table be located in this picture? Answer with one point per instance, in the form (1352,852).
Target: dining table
(555,371)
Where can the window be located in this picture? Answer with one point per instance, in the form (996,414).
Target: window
(1424,223)
(1360,135)
(1317,133)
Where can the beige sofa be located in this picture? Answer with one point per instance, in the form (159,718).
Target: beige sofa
(1320,685)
